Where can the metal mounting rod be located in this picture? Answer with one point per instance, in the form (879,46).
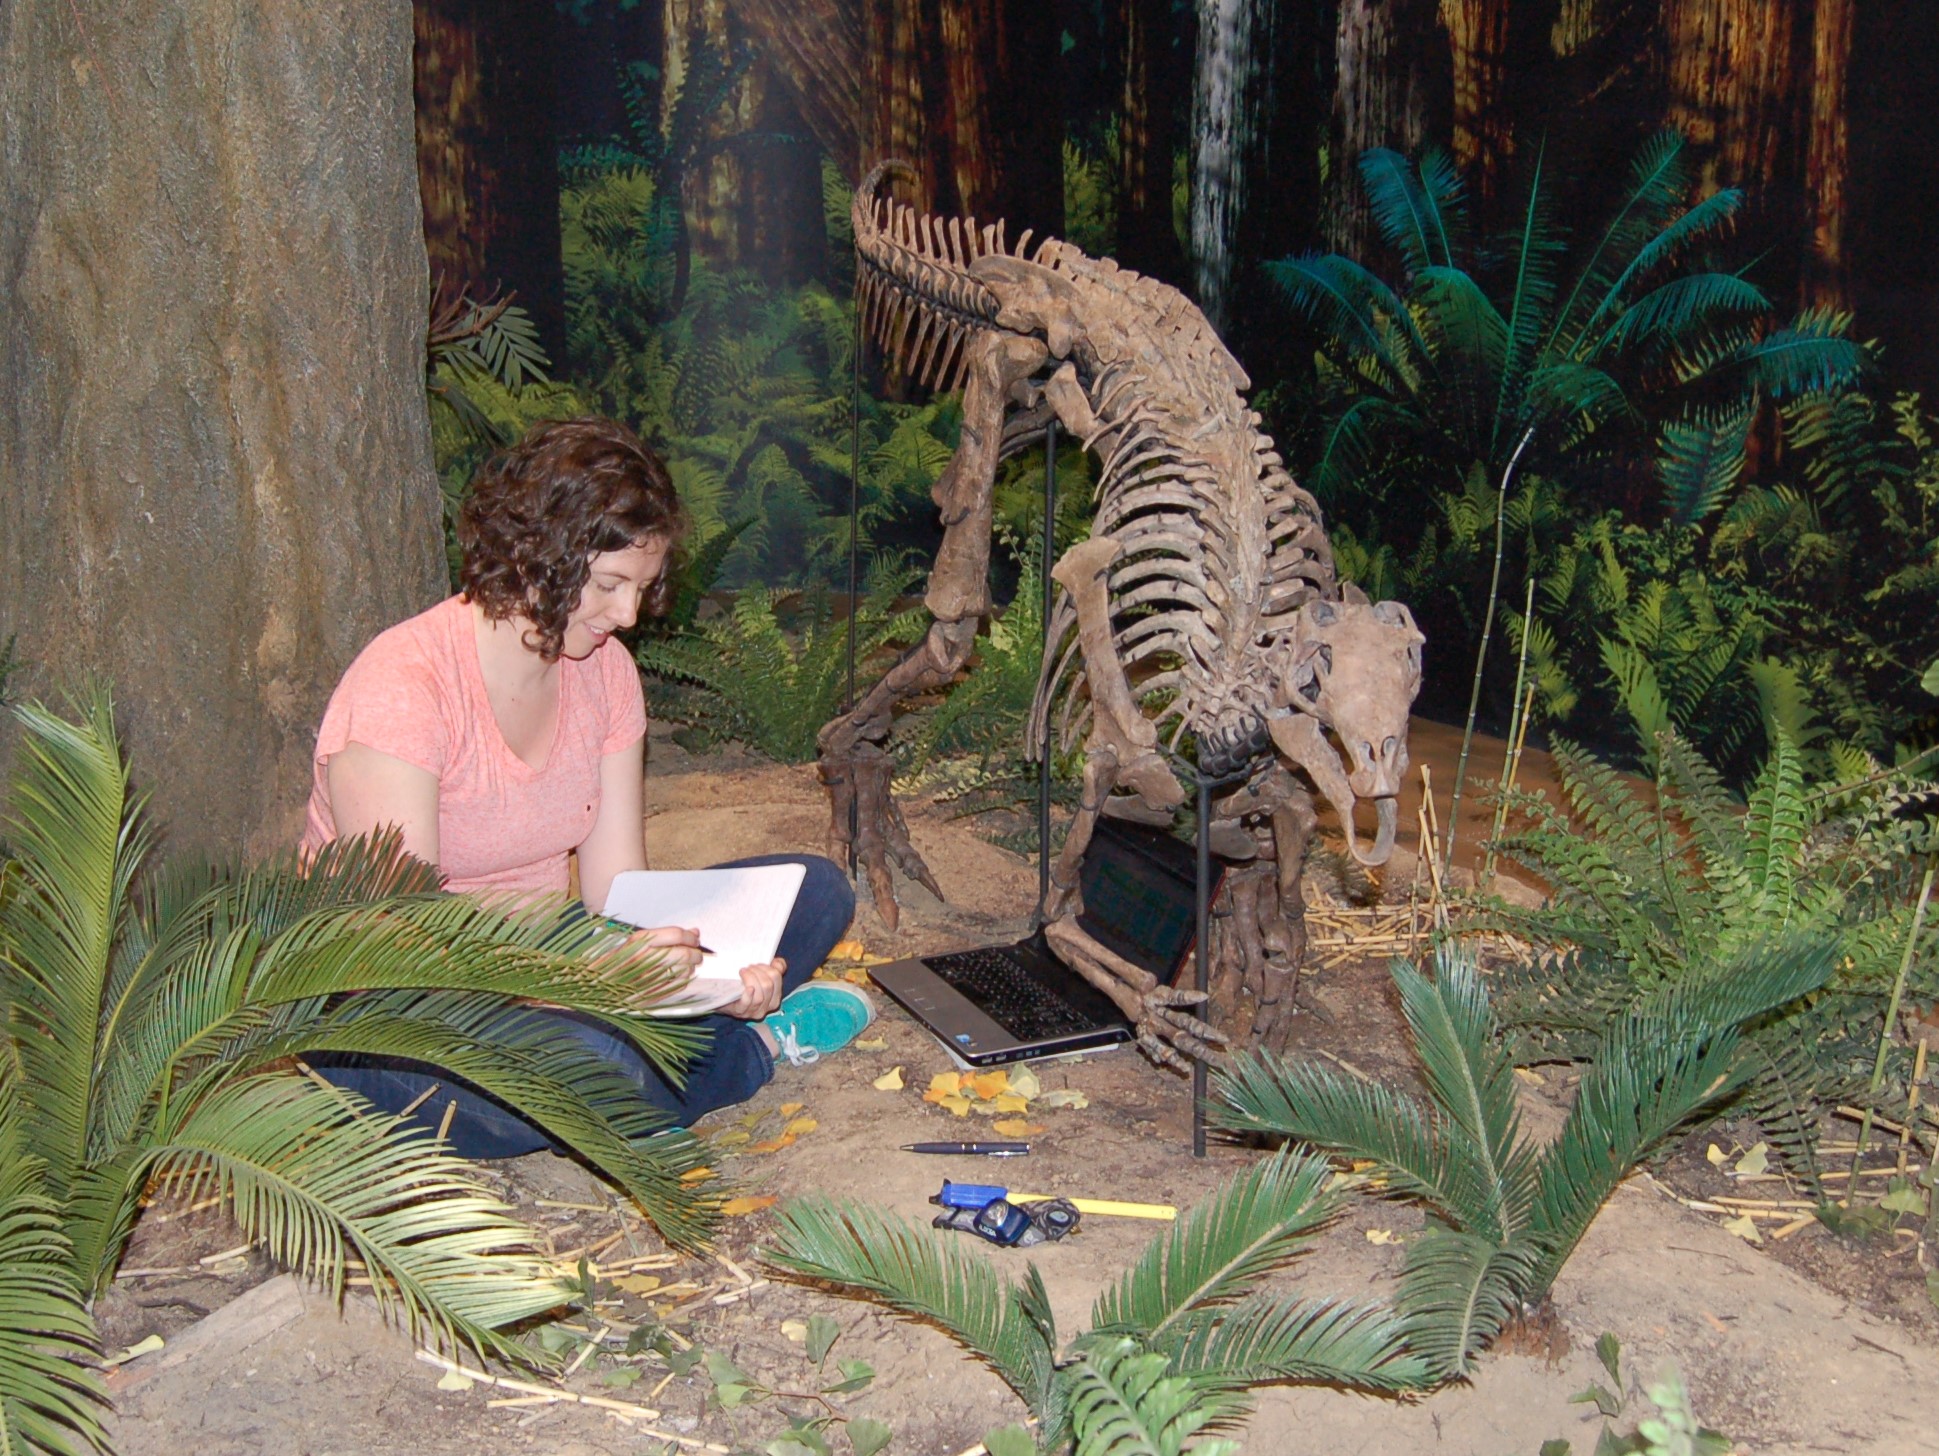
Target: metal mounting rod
(1043,761)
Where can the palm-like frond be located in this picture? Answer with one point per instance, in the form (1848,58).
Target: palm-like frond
(317,1178)
(1417,212)
(1457,1290)
(1220,1250)
(77,841)
(1471,1082)
(1353,307)
(1265,1337)
(1304,1102)
(1126,1401)
(1699,461)
(49,1400)
(920,1272)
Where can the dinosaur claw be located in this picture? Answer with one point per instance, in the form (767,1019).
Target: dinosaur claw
(858,784)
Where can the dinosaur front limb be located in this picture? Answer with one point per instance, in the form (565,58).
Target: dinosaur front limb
(1259,924)
(854,764)
(1166,1033)
(1100,778)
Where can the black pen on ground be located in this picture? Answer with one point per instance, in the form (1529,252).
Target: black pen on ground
(988,1150)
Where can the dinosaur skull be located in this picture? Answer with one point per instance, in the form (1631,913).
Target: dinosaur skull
(1352,667)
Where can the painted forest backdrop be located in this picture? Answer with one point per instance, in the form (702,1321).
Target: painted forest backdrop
(1641,285)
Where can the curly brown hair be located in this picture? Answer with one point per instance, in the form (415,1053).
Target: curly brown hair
(539,512)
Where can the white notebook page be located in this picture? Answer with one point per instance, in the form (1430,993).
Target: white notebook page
(740,914)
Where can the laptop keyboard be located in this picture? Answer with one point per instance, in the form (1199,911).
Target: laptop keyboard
(1009,995)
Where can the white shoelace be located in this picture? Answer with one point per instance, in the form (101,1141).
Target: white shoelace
(787,1041)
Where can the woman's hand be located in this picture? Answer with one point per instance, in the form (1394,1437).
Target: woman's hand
(761,990)
(678,945)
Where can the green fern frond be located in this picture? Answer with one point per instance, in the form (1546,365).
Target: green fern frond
(1457,1290)
(318,1179)
(50,1400)
(1221,1249)
(1126,1401)
(921,1272)
(1266,1337)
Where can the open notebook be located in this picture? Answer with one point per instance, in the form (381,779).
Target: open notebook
(740,914)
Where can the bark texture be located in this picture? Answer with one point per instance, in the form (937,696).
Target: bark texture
(753,193)
(815,48)
(487,166)
(214,444)
(1827,159)
(1153,90)
(952,87)
(1389,59)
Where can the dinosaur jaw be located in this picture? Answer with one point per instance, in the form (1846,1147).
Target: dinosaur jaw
(1298,737)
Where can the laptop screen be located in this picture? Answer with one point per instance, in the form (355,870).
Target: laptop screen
(1140,896)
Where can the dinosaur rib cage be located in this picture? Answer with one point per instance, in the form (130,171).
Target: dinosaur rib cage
(1221,547)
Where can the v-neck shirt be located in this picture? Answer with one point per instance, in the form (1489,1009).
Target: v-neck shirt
(417,693)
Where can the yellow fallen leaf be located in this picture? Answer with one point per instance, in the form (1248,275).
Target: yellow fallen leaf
(955,1102)
(748,1203)
(1756,1160)
(1716,1156)
(856,977)
(1024,1082)
(773,1144)
(870,1044)
(988,1084)
(146,1346)
(847,950)
(789,1109)
(1745,1227)
(889,1081)
(1016,1127)
(1381,1236)
(733,1137)
(1531,1076)
(945,1084)
(796,1330)
(637,1283)
(454,1380)
(695,1175)
(799,1127)
(1010,1102)
(1063,1097)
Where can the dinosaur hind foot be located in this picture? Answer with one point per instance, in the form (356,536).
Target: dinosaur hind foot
(867,820)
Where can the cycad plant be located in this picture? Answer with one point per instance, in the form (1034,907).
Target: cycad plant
(770,684)
(1172,1345)
(152,1022)
(1659,888)
(1504,1214)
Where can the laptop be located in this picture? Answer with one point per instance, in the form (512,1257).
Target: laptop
(1012,1003)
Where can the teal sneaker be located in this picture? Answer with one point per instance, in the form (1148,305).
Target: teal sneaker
(821,1017)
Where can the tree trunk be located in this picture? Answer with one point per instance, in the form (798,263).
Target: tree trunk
(1738,78)
(1390,60)
(956,89)
(753,196)
(1483,131)
(814,47)
(214,441)
(487,167)
(1827,160)
(1147,125)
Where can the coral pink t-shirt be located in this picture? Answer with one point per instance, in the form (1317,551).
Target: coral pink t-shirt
(416,693)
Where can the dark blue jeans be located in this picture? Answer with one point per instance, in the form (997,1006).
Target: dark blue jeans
(732,1067)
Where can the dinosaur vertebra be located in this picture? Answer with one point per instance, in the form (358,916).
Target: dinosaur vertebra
(1204,602)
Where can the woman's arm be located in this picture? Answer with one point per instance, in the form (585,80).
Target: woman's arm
(371,791)
(617,842)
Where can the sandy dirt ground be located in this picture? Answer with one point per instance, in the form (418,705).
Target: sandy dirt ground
(1843,1358)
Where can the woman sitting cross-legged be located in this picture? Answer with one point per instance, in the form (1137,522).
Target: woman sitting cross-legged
(504,730)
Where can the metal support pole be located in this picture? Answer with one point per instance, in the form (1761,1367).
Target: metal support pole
(1202,961)
(854,543)
(1043,762)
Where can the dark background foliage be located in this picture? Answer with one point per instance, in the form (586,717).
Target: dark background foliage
(1726,546)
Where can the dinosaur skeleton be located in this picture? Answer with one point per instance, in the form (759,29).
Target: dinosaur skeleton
(1204,602)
